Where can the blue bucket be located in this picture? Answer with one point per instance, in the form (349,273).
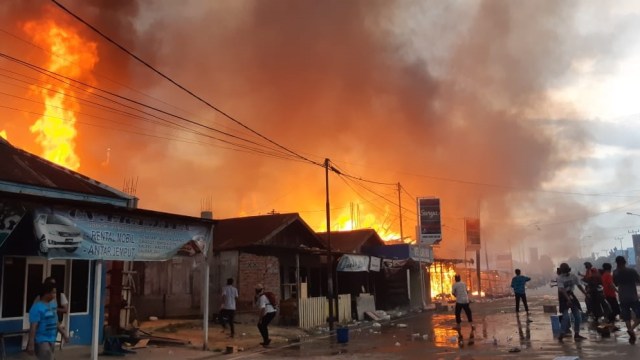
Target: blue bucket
(342,334)
(555,324)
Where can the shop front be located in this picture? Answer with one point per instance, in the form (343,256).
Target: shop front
(74,242)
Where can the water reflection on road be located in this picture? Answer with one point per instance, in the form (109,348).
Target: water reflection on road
(499,334)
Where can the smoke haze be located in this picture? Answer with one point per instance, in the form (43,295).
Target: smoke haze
(393,91)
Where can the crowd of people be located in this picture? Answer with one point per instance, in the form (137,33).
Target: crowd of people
(608,294)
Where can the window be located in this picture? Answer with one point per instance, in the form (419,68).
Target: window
(13,287)
(79,302)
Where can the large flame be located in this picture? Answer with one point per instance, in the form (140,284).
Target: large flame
(3,134)
(352,220)
(70,56)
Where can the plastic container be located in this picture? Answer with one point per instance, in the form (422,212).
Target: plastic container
(342,335)
(555,323)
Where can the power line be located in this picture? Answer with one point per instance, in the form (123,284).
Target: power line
(108,78)
(57,77)
(169,138)
(183,88)
(413,216)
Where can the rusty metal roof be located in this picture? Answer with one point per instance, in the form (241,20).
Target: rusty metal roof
(276,230)
(353,241)
(25,169)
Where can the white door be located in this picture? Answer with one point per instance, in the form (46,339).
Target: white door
(39,269)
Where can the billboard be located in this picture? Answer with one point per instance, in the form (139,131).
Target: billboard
(429,221)
(472,232)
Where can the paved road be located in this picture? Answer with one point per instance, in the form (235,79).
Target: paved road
(498,333)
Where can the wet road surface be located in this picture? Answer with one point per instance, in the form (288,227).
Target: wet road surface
(499,334)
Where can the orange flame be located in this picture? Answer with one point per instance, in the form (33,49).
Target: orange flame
(441,276)
(70,56)
(3,134)
(347,221)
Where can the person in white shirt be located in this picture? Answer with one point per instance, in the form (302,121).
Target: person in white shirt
(228,309)
(267,313)
(459,290)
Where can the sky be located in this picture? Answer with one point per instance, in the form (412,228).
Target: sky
(520,113)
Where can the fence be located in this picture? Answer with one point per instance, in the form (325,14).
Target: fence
(314,311)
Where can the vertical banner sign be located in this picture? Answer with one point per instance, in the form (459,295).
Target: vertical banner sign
(636,249)
(472,230)
(429,221)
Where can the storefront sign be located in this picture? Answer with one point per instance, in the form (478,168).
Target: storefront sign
(353,263)
(72,233)
(421,253)
(374,263)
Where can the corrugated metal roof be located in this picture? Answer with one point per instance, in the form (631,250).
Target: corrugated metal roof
(22,168)
(352,241)
(277,230)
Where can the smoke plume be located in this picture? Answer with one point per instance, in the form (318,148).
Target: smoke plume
(451,100)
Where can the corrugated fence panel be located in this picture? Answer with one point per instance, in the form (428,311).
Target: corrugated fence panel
(344,307)
(312,312)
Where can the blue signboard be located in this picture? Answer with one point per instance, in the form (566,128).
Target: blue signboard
(72,233)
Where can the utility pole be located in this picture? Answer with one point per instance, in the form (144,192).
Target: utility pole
(400,211)
(329,255)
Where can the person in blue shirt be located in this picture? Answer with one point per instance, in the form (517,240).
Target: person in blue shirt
(517,283)
(44,325)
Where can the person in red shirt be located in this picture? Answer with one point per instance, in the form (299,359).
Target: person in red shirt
(610,292)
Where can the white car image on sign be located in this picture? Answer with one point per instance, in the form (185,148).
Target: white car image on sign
(56,232)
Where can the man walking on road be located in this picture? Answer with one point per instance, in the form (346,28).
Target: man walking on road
(459,290)
(518,283)
(228,311)
(626,279)
(44,325)
(267,313)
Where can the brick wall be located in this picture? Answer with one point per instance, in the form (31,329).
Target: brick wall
(252,270)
